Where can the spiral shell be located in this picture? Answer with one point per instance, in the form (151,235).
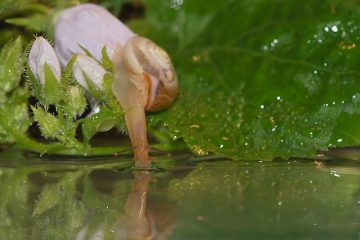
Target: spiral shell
(143,57)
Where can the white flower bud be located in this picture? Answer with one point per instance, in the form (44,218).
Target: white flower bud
(42,52)
(89,26)
(87,66)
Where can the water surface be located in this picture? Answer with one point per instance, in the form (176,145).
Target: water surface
(184,198)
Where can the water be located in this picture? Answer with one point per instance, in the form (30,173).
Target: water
(183,198)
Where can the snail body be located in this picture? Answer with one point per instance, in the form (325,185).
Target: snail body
(145,78)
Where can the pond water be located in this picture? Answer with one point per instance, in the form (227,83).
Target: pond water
(183,198)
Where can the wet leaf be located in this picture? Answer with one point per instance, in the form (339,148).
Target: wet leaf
(261,79)
(14,117)
(11,67)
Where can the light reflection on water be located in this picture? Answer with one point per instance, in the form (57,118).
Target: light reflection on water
(186,198)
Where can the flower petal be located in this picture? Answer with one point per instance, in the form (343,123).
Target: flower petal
(42,52)
(89,26)
(87,66)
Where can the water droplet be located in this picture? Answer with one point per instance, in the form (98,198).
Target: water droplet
(221,146)
(199,151)
(262,106)
(334,28)
(339,140)
(326,29)
(196,58)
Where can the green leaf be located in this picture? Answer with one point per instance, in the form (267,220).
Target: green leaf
(49,125)
(11,67)
(14,116)
(36,22)
(258,80)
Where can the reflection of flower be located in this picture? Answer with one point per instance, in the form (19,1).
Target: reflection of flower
(87,67)
(91,27)
(42,53)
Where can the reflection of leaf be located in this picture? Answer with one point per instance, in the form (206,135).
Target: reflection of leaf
(53,194)
(14,209)
(258,79)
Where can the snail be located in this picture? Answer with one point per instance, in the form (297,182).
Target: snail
(145,78)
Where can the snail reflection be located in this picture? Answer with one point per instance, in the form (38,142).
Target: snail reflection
(139,219)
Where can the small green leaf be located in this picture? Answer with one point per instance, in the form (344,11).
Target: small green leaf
(49,125)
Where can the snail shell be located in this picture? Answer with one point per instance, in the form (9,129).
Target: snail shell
(144,58)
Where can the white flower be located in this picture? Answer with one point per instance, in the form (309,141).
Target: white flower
(89,26)
(87,66)
(42,53)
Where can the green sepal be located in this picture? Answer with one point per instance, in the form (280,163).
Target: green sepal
(49,125)
(87,52)
(106,61)
(52,88)
(75,101)
(35,85)
(67,74)
(94,90)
